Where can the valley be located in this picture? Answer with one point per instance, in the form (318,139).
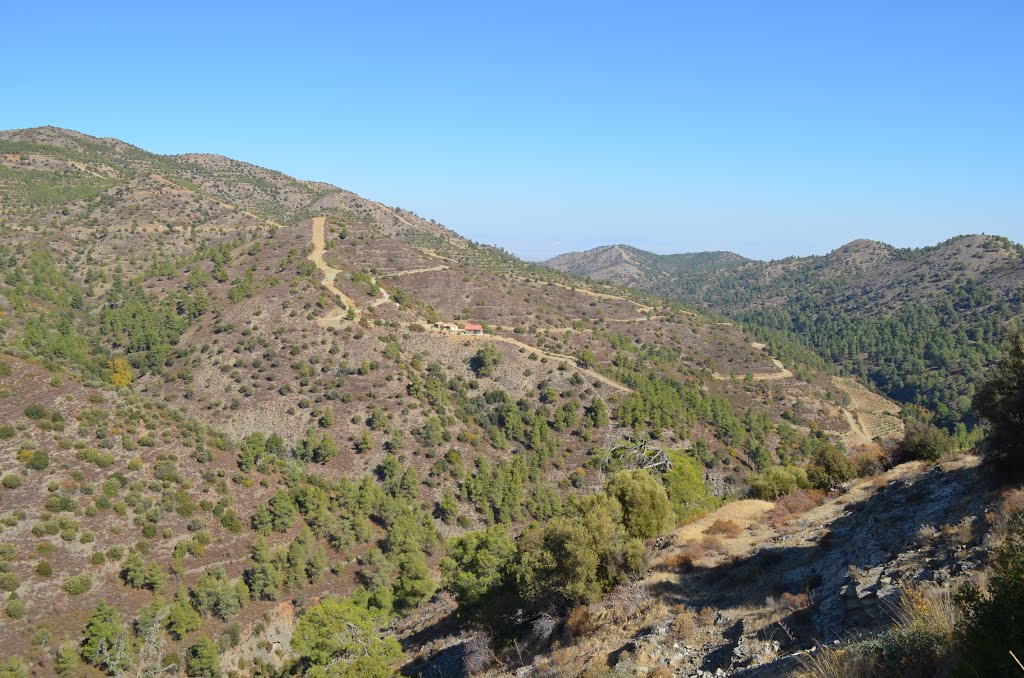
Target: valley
(919,325)
(238,407)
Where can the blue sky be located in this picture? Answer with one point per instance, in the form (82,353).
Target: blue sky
(766,128)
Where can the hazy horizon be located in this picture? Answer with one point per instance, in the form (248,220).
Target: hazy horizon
(767,131)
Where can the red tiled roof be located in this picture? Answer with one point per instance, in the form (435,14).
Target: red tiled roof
(470,327)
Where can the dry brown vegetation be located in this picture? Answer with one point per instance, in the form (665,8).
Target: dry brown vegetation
(726,528)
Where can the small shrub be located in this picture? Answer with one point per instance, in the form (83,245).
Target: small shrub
(684,626)
(1013,504)
(728,528)
(926,534)
(36,412)
(9,581)
(581,622)
(777,481)
(685,559)
(922,441)
(713,545)
(829,469)
(794,601)
(958,534)
(869,462)
(78,584)
(16,607)
(38,461)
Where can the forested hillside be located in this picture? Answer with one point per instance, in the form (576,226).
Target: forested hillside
(226,394)
(922,325)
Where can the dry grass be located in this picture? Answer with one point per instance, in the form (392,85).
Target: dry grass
(958,534)
(706,616)
(685,626)
(1013,504)
(794,504)
(930,607)
(926,534)
(714,545)
(727,528)
(828,662)
(581,622)
(794,601)
(685,559)
(921,642)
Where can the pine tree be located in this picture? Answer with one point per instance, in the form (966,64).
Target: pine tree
(203,659)
(182,618)
(264,577)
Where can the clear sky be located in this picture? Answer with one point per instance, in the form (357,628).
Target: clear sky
(766,128)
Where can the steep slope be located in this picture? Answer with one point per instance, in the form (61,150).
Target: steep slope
(261,366)
(754,588)
(921,324)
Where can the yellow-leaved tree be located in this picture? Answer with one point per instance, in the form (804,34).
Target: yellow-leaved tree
(120,372)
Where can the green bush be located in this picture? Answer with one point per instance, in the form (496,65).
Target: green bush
(686,488)
(78,584)
(922,441)
(38,461)
(16,607)
(67,660)
(1000,400)
(102,632)
(6,432)
(13,667)
(646,510)
(829,468)
(340,639)
(475,565)
(58,502)
(777,481)
(577,557)
(182,618)
(36,412)
(9,581)
(994,621)
(12,481)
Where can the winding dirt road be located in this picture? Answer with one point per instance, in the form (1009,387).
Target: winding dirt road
(330,275)
(334,317)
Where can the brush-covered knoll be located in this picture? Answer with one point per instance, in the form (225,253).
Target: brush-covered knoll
(288,401)
(921,324)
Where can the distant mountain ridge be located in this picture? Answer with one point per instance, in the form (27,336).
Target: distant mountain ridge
(920,323)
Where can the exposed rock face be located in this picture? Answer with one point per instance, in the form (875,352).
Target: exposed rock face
(831,573)
(880,546)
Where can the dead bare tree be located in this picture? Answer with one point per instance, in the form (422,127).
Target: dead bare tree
(150,662)
(116,657)
(635,454)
